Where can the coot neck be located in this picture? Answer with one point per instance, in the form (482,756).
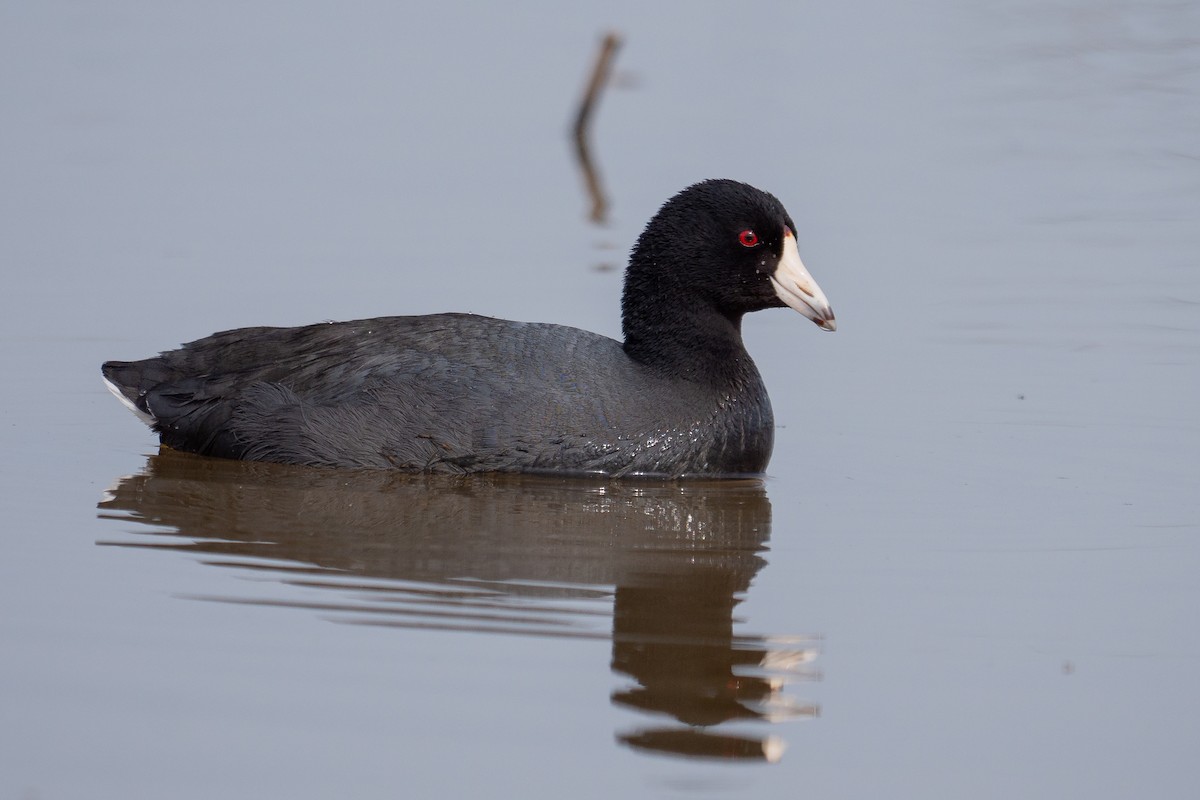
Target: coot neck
(687,339)
(678,314)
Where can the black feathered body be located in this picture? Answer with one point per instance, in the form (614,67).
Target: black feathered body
(453,393)
(462,393)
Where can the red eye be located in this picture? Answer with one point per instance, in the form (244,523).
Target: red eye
(748,238)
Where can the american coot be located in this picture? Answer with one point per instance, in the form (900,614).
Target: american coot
(465,393)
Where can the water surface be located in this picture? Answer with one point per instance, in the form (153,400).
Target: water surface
(970,571)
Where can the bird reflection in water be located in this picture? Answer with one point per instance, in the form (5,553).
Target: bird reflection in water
(522,555)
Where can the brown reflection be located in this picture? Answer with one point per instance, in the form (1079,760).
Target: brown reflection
(582,128)
(534,556)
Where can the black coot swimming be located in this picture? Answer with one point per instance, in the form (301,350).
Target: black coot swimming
(462,393)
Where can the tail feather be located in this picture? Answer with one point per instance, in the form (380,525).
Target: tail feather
(188,413)
(124,380)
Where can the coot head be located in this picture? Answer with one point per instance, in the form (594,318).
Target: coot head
(716,250)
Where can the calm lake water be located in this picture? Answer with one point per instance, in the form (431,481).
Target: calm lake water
(970,572)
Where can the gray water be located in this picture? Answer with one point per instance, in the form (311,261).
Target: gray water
(969,572)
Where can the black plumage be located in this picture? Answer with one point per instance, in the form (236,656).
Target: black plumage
(465,393)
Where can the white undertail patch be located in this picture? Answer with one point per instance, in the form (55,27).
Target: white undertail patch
(125,401)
